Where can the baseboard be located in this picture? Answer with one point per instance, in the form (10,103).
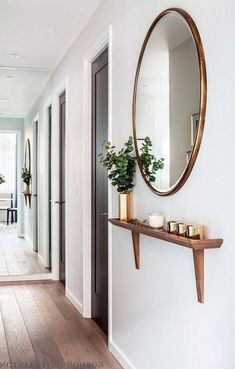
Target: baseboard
(74,301)
(43,261)
(29,277)
(30,243)
(121,358)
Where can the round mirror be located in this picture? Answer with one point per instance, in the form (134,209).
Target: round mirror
(27,157)
(169,101)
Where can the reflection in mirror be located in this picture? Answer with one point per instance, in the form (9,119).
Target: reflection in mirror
(168,98)
(27,163)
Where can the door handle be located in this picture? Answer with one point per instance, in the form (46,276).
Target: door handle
(104,214)
(59,202)
(35,195)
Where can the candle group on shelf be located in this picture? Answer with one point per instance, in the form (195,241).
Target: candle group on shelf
(193,231)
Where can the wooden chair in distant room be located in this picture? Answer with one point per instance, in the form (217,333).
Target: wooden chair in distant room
(12,211)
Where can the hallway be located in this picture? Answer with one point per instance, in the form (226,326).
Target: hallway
(40,328)
(16,257)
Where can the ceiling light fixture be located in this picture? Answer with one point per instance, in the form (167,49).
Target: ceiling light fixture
(14,55)
(9,77)
(3,100)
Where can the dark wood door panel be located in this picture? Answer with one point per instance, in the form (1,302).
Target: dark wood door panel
(100,193)
(62,122)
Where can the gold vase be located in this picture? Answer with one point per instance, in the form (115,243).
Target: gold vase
(125,207)
(27,189)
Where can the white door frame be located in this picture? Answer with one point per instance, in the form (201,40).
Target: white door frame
(48,103)
(19,164)
(102,43)
(63,86)
(36,186)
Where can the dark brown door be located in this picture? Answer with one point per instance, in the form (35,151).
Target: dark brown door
(62,122)
(99,193)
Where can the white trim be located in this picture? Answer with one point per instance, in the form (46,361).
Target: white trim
(30,243)
(28,277)
(103,42)
(48,103)
(118,354)
(19,164)
(74,301)
(63,86)
(35,189)
(40,257)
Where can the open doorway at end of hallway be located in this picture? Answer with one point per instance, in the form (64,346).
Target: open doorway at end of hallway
(10,164)
(17,258)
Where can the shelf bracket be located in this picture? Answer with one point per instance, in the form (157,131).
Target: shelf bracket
(198,257)
(136,247)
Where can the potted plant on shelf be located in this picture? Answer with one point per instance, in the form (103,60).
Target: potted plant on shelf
(121,169)
(2,179)
(26,177)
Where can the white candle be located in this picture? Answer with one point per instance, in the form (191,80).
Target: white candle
(156,220)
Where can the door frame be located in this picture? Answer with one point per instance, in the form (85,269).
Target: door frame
(48,103)
(36,212)
(105,41)
(19,164)
(63,86)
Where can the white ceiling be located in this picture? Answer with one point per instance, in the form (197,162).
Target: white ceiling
(21,91)
(41,32)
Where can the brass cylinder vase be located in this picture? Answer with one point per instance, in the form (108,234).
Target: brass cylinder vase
(125,206)
(27,189)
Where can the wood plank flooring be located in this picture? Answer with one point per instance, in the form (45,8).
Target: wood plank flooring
(16,257)
(40,328)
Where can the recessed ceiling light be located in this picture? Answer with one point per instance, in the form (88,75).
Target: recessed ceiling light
(14,55)
(9,77)
(3,100)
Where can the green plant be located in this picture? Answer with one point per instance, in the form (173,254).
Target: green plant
(149,163)
(2,179)
(120,165)
(26,176)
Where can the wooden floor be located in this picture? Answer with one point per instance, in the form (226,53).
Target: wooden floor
(16,257)
(40,328)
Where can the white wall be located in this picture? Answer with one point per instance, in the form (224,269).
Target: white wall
(156,319)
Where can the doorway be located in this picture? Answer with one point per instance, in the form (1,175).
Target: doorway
(99,290)
(62,183)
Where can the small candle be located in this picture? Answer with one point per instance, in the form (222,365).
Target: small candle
(156,220)
(172,227)
(181,229)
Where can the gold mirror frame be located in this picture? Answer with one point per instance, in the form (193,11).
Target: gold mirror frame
(202,104)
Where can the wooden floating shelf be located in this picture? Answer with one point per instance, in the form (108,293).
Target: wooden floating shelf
(197,247)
